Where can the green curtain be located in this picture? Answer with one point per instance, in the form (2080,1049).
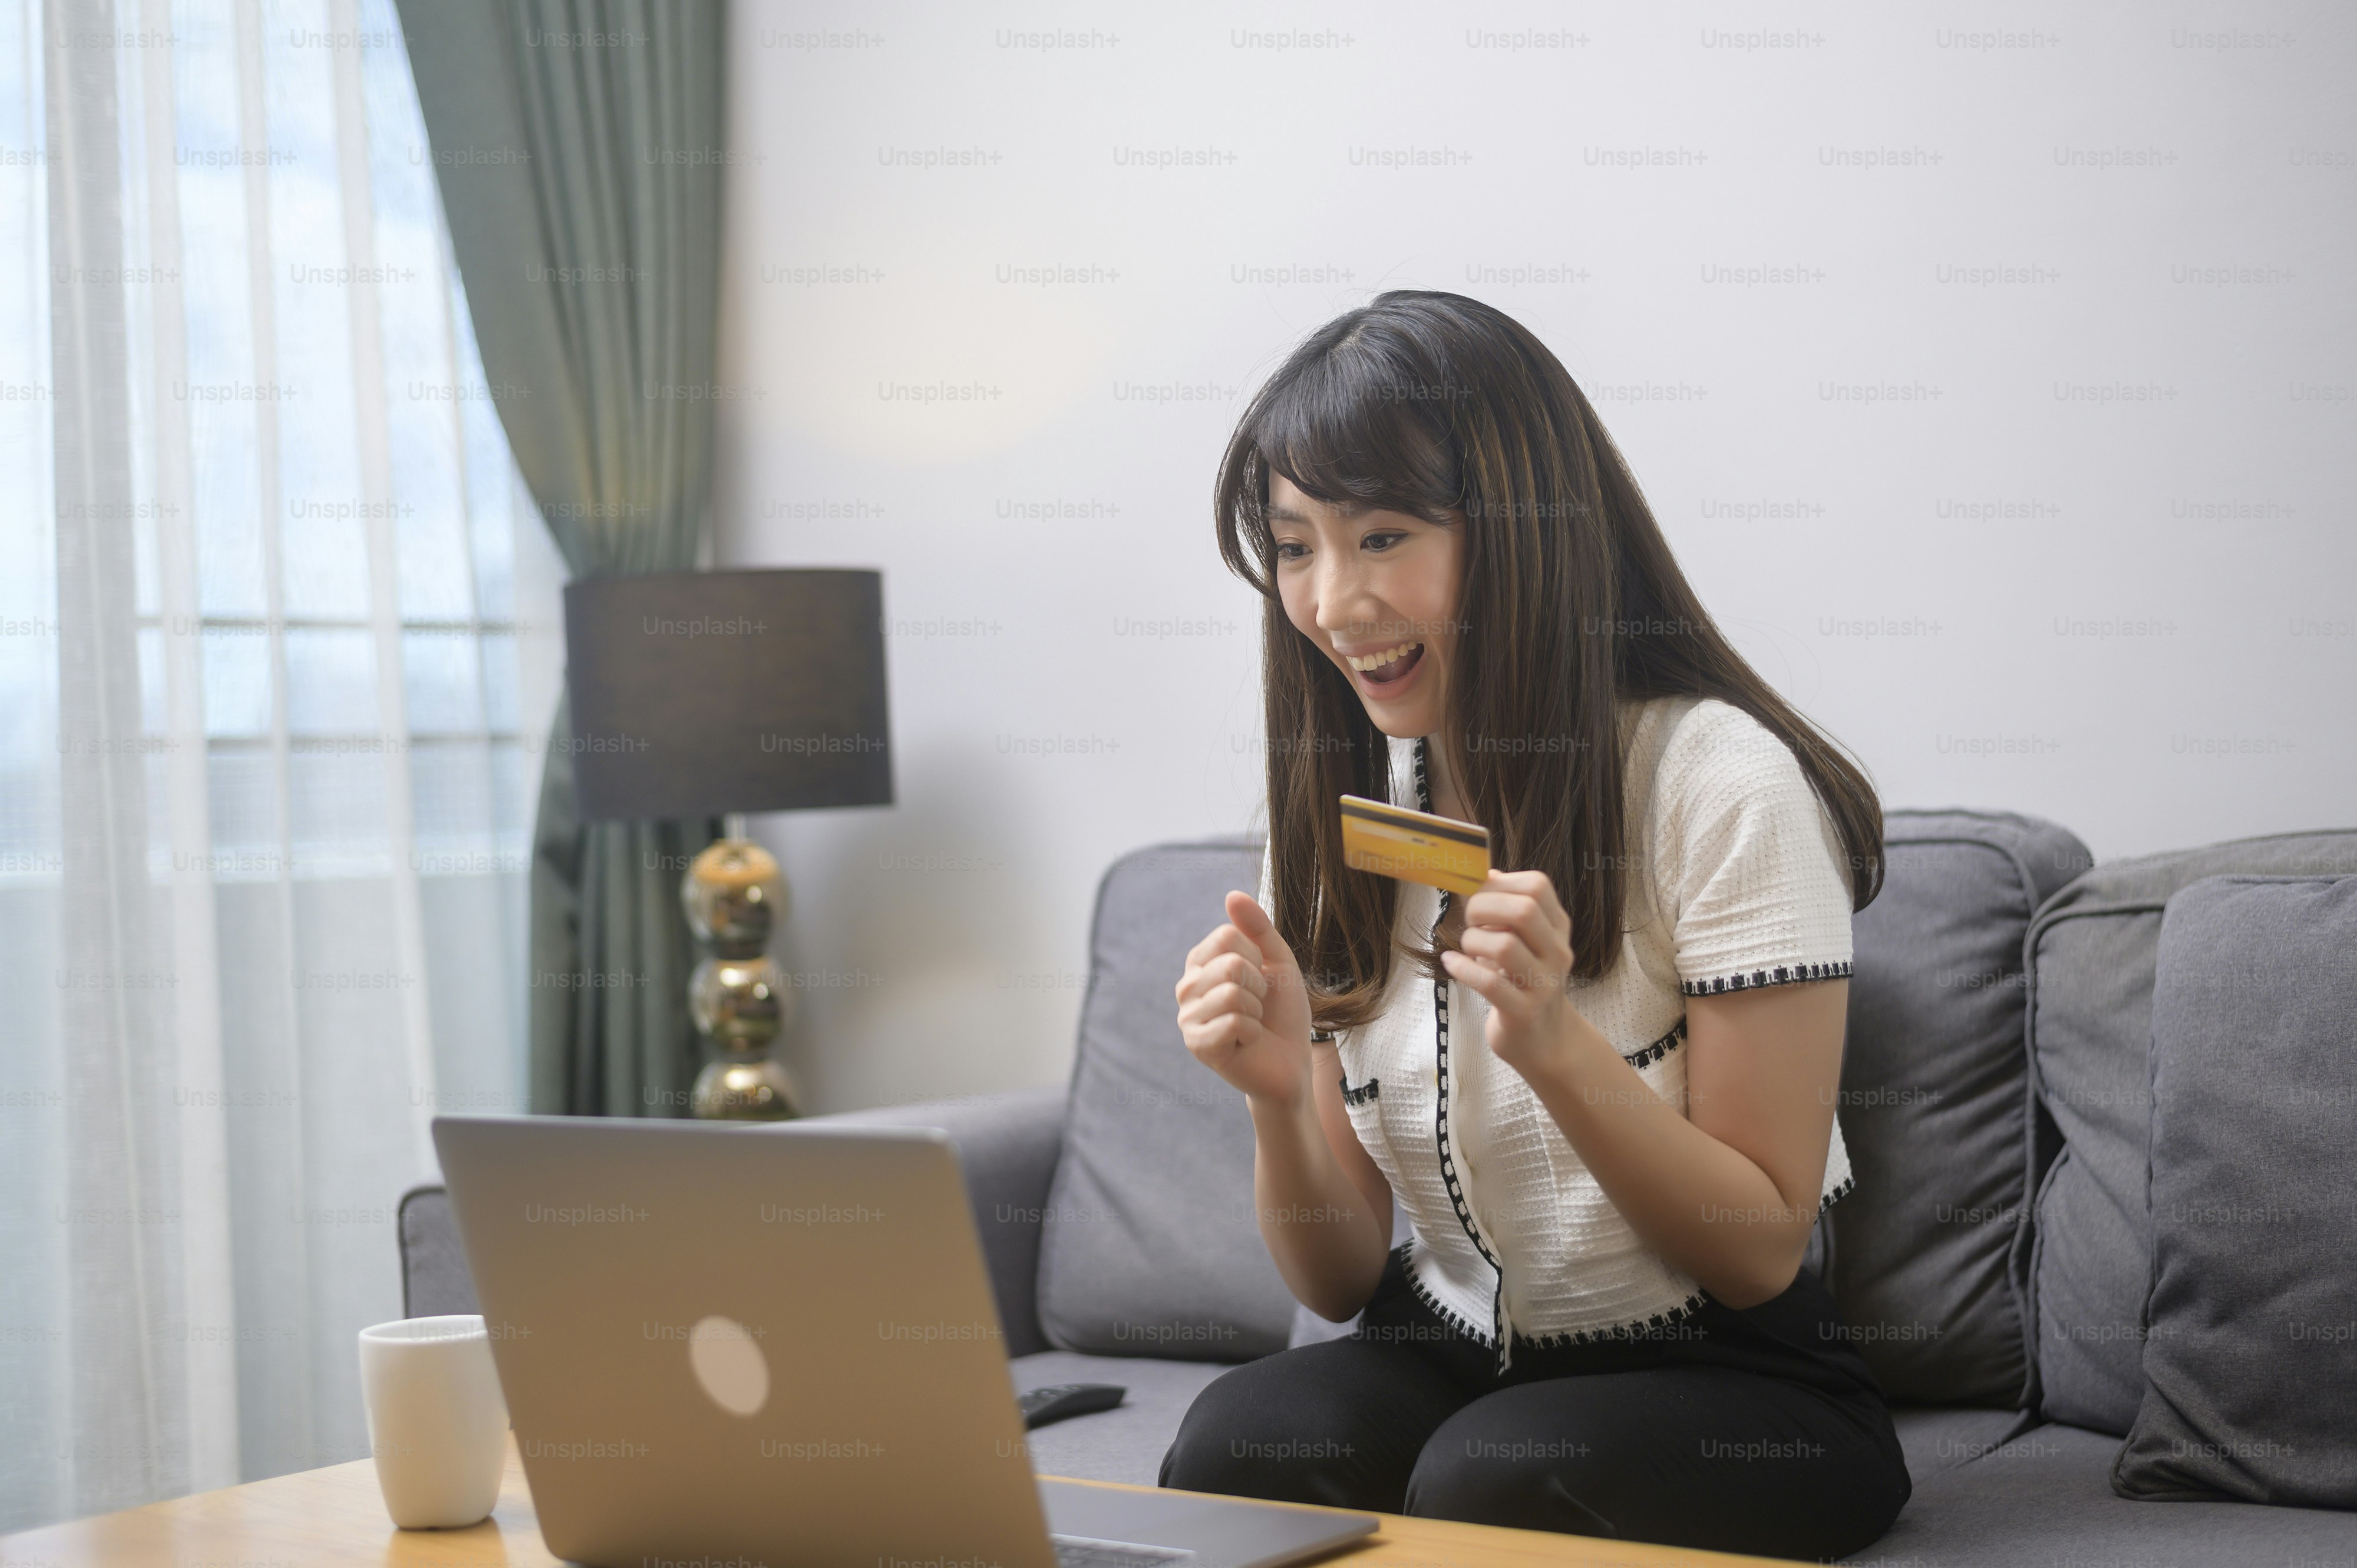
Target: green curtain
(577,143)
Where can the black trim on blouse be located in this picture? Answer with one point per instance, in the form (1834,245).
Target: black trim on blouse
(1440,1114)
(1646,1055)
(1760,979)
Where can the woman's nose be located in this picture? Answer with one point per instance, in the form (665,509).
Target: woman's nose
(1343,600)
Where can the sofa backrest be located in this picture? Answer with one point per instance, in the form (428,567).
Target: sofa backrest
(1150,1246)
(1934,1106)
(2090,960)
(434,1280)
(1992,1100)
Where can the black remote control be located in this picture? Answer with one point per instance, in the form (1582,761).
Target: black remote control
(1060,1400)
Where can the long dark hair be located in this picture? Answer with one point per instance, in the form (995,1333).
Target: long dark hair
(1446,409)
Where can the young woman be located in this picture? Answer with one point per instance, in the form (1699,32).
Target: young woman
(1602,1088)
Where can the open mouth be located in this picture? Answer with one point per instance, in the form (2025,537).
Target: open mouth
(1387,666)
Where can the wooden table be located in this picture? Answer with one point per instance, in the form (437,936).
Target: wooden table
(318,1518)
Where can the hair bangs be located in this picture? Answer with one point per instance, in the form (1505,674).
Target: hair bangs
(1356,433)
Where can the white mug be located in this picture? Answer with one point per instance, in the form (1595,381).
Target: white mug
(437,1422)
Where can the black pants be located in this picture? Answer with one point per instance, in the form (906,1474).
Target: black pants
(1758,1430)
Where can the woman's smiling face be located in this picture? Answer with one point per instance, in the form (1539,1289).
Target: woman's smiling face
(1376,590)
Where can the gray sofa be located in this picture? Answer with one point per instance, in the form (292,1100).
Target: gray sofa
(1993,1260)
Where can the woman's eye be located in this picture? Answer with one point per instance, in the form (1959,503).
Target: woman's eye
(1290,550)
(1381,541)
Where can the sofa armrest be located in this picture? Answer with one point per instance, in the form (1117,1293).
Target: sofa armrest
(434,1278)
(1008,1145)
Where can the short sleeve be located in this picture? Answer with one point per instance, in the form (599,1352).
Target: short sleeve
(1746,859)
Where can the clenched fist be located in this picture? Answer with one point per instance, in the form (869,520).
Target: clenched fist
(1242,1007)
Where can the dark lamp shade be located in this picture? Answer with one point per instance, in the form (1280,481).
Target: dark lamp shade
(696,693)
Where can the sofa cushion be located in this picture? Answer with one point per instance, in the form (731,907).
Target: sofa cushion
(2041,1500)
(1935,1105)
(1941,1437)
(1126,1442)
(1150,1246)
(2250,1349)
(2090,962)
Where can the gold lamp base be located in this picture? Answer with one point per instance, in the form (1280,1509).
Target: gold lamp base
(745,1088)
(734,895)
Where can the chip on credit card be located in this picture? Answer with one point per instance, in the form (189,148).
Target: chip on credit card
(1415,847)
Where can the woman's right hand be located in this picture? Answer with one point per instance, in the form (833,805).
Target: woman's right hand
(1243,1010)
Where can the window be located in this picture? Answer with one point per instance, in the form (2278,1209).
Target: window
(276,620)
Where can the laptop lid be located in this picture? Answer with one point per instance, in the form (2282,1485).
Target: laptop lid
(728,1343)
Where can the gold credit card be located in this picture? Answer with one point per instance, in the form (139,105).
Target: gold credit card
(1414,846)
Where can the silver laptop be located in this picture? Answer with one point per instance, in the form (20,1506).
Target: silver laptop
(778,1347)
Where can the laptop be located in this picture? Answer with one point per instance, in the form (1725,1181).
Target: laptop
(778,1345)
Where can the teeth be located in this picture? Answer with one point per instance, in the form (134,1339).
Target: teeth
(1363,661)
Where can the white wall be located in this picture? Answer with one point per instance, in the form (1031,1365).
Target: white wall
(2132,608)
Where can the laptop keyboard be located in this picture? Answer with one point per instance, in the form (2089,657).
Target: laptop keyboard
(1079,1552)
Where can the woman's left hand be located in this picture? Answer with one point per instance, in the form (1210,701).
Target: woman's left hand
(1517,955)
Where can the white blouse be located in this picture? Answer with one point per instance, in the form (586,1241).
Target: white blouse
(1735,882)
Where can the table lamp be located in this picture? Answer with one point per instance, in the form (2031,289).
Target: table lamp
(719,693)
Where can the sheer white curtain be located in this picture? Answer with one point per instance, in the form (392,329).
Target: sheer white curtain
(275,620)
